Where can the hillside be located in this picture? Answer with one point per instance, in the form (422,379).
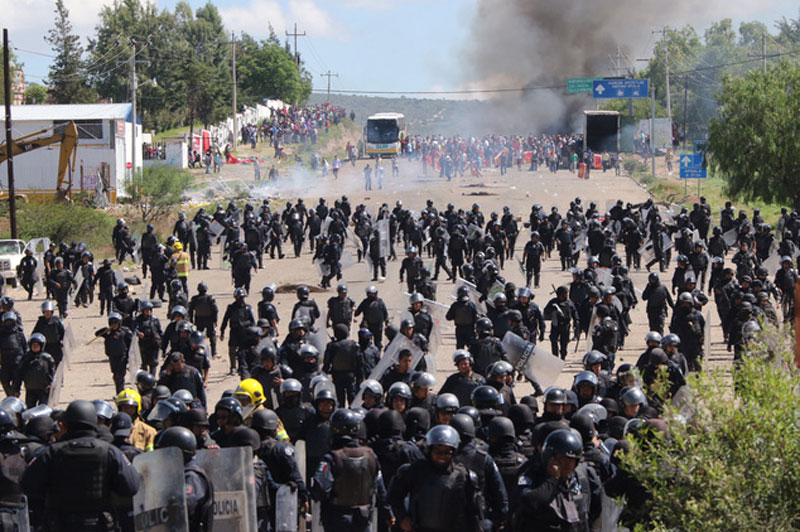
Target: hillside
(424,116)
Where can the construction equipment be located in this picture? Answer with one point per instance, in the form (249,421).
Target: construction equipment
(69,148)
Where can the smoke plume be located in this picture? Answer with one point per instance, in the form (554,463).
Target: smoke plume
(541,43)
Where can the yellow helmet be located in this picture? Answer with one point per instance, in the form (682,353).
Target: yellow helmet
(252,389)
(129,397)
(177,246)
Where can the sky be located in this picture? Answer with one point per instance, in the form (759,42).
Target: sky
(378,45)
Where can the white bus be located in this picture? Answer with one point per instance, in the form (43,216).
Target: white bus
(383,133)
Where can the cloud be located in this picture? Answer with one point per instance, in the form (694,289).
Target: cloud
(253,18)
(314,20)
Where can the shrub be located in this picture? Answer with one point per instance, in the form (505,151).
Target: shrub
(733,461)
(158,189)
(64,222)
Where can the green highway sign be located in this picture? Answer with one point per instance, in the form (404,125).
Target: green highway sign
(580,85)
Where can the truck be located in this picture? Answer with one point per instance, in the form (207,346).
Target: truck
(11,253)
(601,131)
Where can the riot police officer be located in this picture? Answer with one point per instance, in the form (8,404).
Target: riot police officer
(464,314)
(118,340)
(78,475)
(348,481)
(240,316)
(199,489)
(203,312)
(442,495)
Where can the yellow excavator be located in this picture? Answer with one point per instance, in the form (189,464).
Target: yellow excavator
(69,149)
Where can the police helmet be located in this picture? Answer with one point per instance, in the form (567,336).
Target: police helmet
(103,409)
(556,396)
(399,389)
(38,338)
(372,387)
(80,414)
(178,310)
(562,442)
(291,385)
(652,336)
(416,297)
(671,339)
(484,397)
(632,395)
(446,402)
(345,422)
(302,292)
(114,317)
(593,358)
(179,437)
(464,425)
(48,306)
(461,354)
(501,429)
(443,435)
(423,380)
(264,419)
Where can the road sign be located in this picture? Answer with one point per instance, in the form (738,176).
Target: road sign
(580,85)
(128,165)
(692,166)
(620,88)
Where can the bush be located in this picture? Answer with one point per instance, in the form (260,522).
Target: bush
(733,461)
(634,166)
(158,189)
(64,222)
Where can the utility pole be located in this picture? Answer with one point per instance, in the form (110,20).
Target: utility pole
(617,63)
(329,75)
(296,35)
(652,128)
(685,105)
(134,84)
(12,203)
(763,54)
(235,107)
(665,33)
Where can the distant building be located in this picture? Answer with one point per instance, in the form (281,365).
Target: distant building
(18,86)
(105,143)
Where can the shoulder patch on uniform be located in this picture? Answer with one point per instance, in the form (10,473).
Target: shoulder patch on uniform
(288,450)
(524,480)
(323,466)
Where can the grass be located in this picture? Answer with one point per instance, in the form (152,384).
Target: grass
(713,188)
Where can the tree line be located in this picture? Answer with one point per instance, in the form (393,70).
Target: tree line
(184,63)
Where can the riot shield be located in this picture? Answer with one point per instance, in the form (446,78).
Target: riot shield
(222,241)
(322,268)
(667,242)
(193,235)
(300,458)
(160,503)
(773,263)
(56,386)
(474,232)
(383,237)
(389,357)
(646,252)
(352,237)
(216,229)
(137,248)
(707,335)
(496,288)
(730,236)
(438,312)
(316,517)
(286,509)
(609,514)
(78,281)
(231,473)
(580,242)
(604,277)
(39,278)
(119,275)
(319,336)
(533,361)
(15,514)
(346,260)
(134,359)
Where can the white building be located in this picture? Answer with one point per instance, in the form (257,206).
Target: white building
(104,149)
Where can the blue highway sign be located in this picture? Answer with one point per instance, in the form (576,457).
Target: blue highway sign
(620,88)
(692,166)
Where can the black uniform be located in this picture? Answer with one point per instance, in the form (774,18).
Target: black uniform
(562,313)
(12,348)
(375,315)
(343,362)
(346,481)
(658,297)
(53,331)
(340,310)
(464,315)
(117,343)
(149,342)
(203,312)
(462,387)
(240,316)
(96,471)
(36,371)
(439,499)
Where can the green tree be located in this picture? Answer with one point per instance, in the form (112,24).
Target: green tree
(158,189)
(67,78)
(267,70)
(731,460)
(753,141)
(35,94)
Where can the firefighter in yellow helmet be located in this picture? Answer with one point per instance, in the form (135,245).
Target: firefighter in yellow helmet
(182,267)
(250,394)
(142,435)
